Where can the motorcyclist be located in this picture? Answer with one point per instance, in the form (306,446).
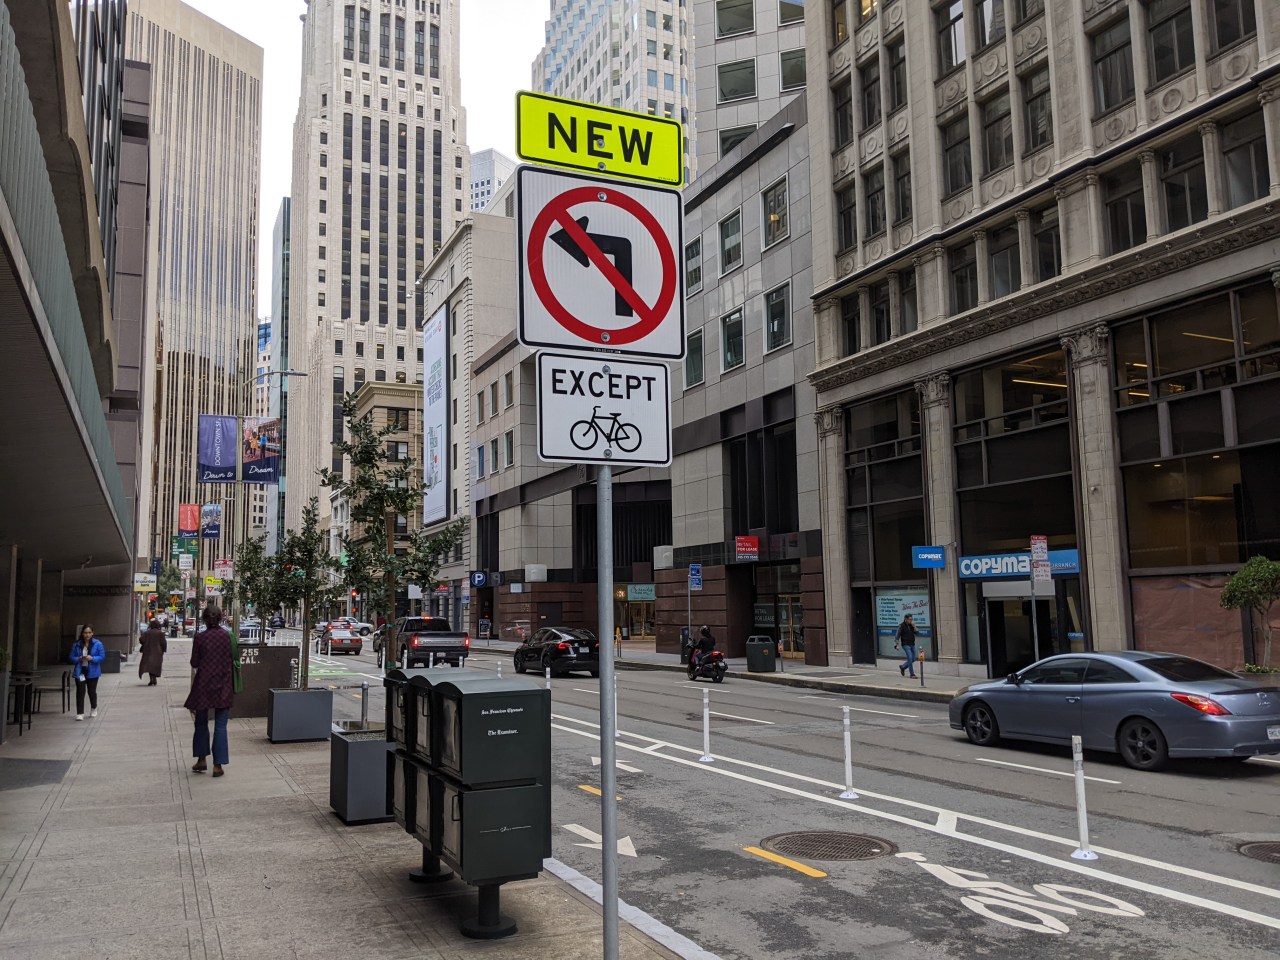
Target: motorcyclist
(706,643)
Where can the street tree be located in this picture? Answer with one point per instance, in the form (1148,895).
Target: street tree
(306,575)
(380,489)
(169,581)
(257,579)
(1255,587)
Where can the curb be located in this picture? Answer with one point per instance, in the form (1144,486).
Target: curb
(813,683)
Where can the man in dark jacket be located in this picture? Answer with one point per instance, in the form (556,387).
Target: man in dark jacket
(706,643)
(907,641)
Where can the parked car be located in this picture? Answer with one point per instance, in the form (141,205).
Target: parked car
(359,626)
(563,649)
(276,622)
(339,640)
(379,641)
(1145,706)
(425,640)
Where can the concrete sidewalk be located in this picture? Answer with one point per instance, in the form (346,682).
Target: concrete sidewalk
(110,847)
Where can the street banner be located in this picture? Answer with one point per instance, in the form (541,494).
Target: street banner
(435,420)
(211,521)
(215,450)
(260,461)
(188,519)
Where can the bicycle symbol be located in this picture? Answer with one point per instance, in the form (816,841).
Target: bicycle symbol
(585,434)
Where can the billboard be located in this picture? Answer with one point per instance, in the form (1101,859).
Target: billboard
(260,458)
(188,519)
(211,521)
(435,418)
(215,450)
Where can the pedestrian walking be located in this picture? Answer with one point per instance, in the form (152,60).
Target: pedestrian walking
(906,639)
(87,654)
(211,690)
(154,647)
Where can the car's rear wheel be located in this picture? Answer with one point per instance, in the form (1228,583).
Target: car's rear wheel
(980,725)
(520,667)
(364,631)
(1142,745)
(546,665)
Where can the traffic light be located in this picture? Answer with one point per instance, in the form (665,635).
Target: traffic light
(355,594)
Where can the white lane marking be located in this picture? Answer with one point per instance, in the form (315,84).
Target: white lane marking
(581,690)
(734,716)
(372,676)
(596,842)
(1044,859)
(814,696)
(316,658)
(932,810)
(883,713)
(946,822)
(1056,773)
(595,762)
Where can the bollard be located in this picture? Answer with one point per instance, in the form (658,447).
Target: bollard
(431,660)
(548,678)
(1082,817)
(706,728)
(404,660)
(364,705)
(920,658)
(499,669)
(848,761)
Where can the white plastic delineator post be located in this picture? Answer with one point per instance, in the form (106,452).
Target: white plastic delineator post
(1082,816)
(706,728)
(848,793)
(499,669)
(548,678)
(431,661)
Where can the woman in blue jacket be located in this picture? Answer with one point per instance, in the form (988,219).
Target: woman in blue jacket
(87,654)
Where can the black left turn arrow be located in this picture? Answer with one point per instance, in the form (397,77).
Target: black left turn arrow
(616,248)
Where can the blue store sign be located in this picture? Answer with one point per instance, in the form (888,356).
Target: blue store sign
(928,558)
(1015,565)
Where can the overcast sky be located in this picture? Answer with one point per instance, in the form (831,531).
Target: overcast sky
(500,38)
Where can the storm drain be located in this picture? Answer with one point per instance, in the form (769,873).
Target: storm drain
(1267,851)
(829,845)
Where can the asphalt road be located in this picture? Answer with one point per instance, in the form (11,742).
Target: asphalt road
(974,844)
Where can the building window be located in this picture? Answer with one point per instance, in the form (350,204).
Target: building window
(508,389)
(1004,261)
(508,448)
(493,396)
(908,306)
(1186,195)
(1233,20)
(493,456)
(997,134)
(990,14)
(873,187)
(964,278)
(846,219)
(380,351)
(731,339)
(774,213)
(337,348)
(397,451)
(839,21)
(398,419)
(777,318)
(1244,154)
(1037,107)
(791,63)
(480,461)
(897,75)
(901,187)
(957,172)
(733,136)
(1126,214)
(881,324)
(736,80)
(730,241)
(693,265)
(1047,243)
(1029,8)
(480,407)
(842,103)
(951,44)
(790,11)
(1112,66)
(732,17)
(693,367)
(870,75)
(1169,34)
(850,325)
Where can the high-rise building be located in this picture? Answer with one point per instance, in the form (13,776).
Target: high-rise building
(1045,249)
(489,171)
(380,178)
(261,402)
(621,53)
(279,396)
(206,116)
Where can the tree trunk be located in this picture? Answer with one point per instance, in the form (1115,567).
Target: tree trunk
(305,658)
(389,580)
(1266,640)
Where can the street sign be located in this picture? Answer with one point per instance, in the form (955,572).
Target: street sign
(928,558)
(1039,548)
(223,569)
(601,409)
(479,578)
(186,561)
(582,136)
(695,576)
(1041,571)
(600,265)
(144,583)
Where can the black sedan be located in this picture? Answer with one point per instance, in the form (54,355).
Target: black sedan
(1145,706)
(563,649)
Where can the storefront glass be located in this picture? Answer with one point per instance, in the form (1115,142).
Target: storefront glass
(777,610)
(892,604)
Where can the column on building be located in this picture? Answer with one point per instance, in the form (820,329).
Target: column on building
(1151,194)
(940,496)
(1101,516)
(1269,97)
(835,556)
(1211,144)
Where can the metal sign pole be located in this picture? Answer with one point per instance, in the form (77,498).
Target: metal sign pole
(608,722)
(1035,621)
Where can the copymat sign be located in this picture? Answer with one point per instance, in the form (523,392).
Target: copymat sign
(1015,564)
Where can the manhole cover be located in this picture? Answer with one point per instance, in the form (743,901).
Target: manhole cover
(1267,851)
(828,845)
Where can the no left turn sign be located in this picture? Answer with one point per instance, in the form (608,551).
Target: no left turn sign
(600,265)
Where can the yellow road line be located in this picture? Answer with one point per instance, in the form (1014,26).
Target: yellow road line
(807,870)
(594,791)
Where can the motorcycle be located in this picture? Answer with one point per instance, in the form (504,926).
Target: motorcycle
(709,665)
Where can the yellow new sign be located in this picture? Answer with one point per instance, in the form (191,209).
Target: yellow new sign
(583,136)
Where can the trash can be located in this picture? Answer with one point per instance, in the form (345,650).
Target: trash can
(761,654)
(111,664)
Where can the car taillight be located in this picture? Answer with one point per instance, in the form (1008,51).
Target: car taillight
(1203,704)
(416,640)
(466,641)
(562,645)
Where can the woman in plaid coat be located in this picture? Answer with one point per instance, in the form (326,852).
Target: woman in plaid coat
(211,689)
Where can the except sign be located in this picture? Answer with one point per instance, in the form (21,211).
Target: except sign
(600,265)
(565,133)
(603,410)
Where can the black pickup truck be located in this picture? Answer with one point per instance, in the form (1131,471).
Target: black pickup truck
(428,640)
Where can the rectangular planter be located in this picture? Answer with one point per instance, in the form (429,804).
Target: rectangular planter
(297,715)
(358,776)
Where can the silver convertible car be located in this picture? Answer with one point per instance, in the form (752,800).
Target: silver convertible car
(1147,707)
